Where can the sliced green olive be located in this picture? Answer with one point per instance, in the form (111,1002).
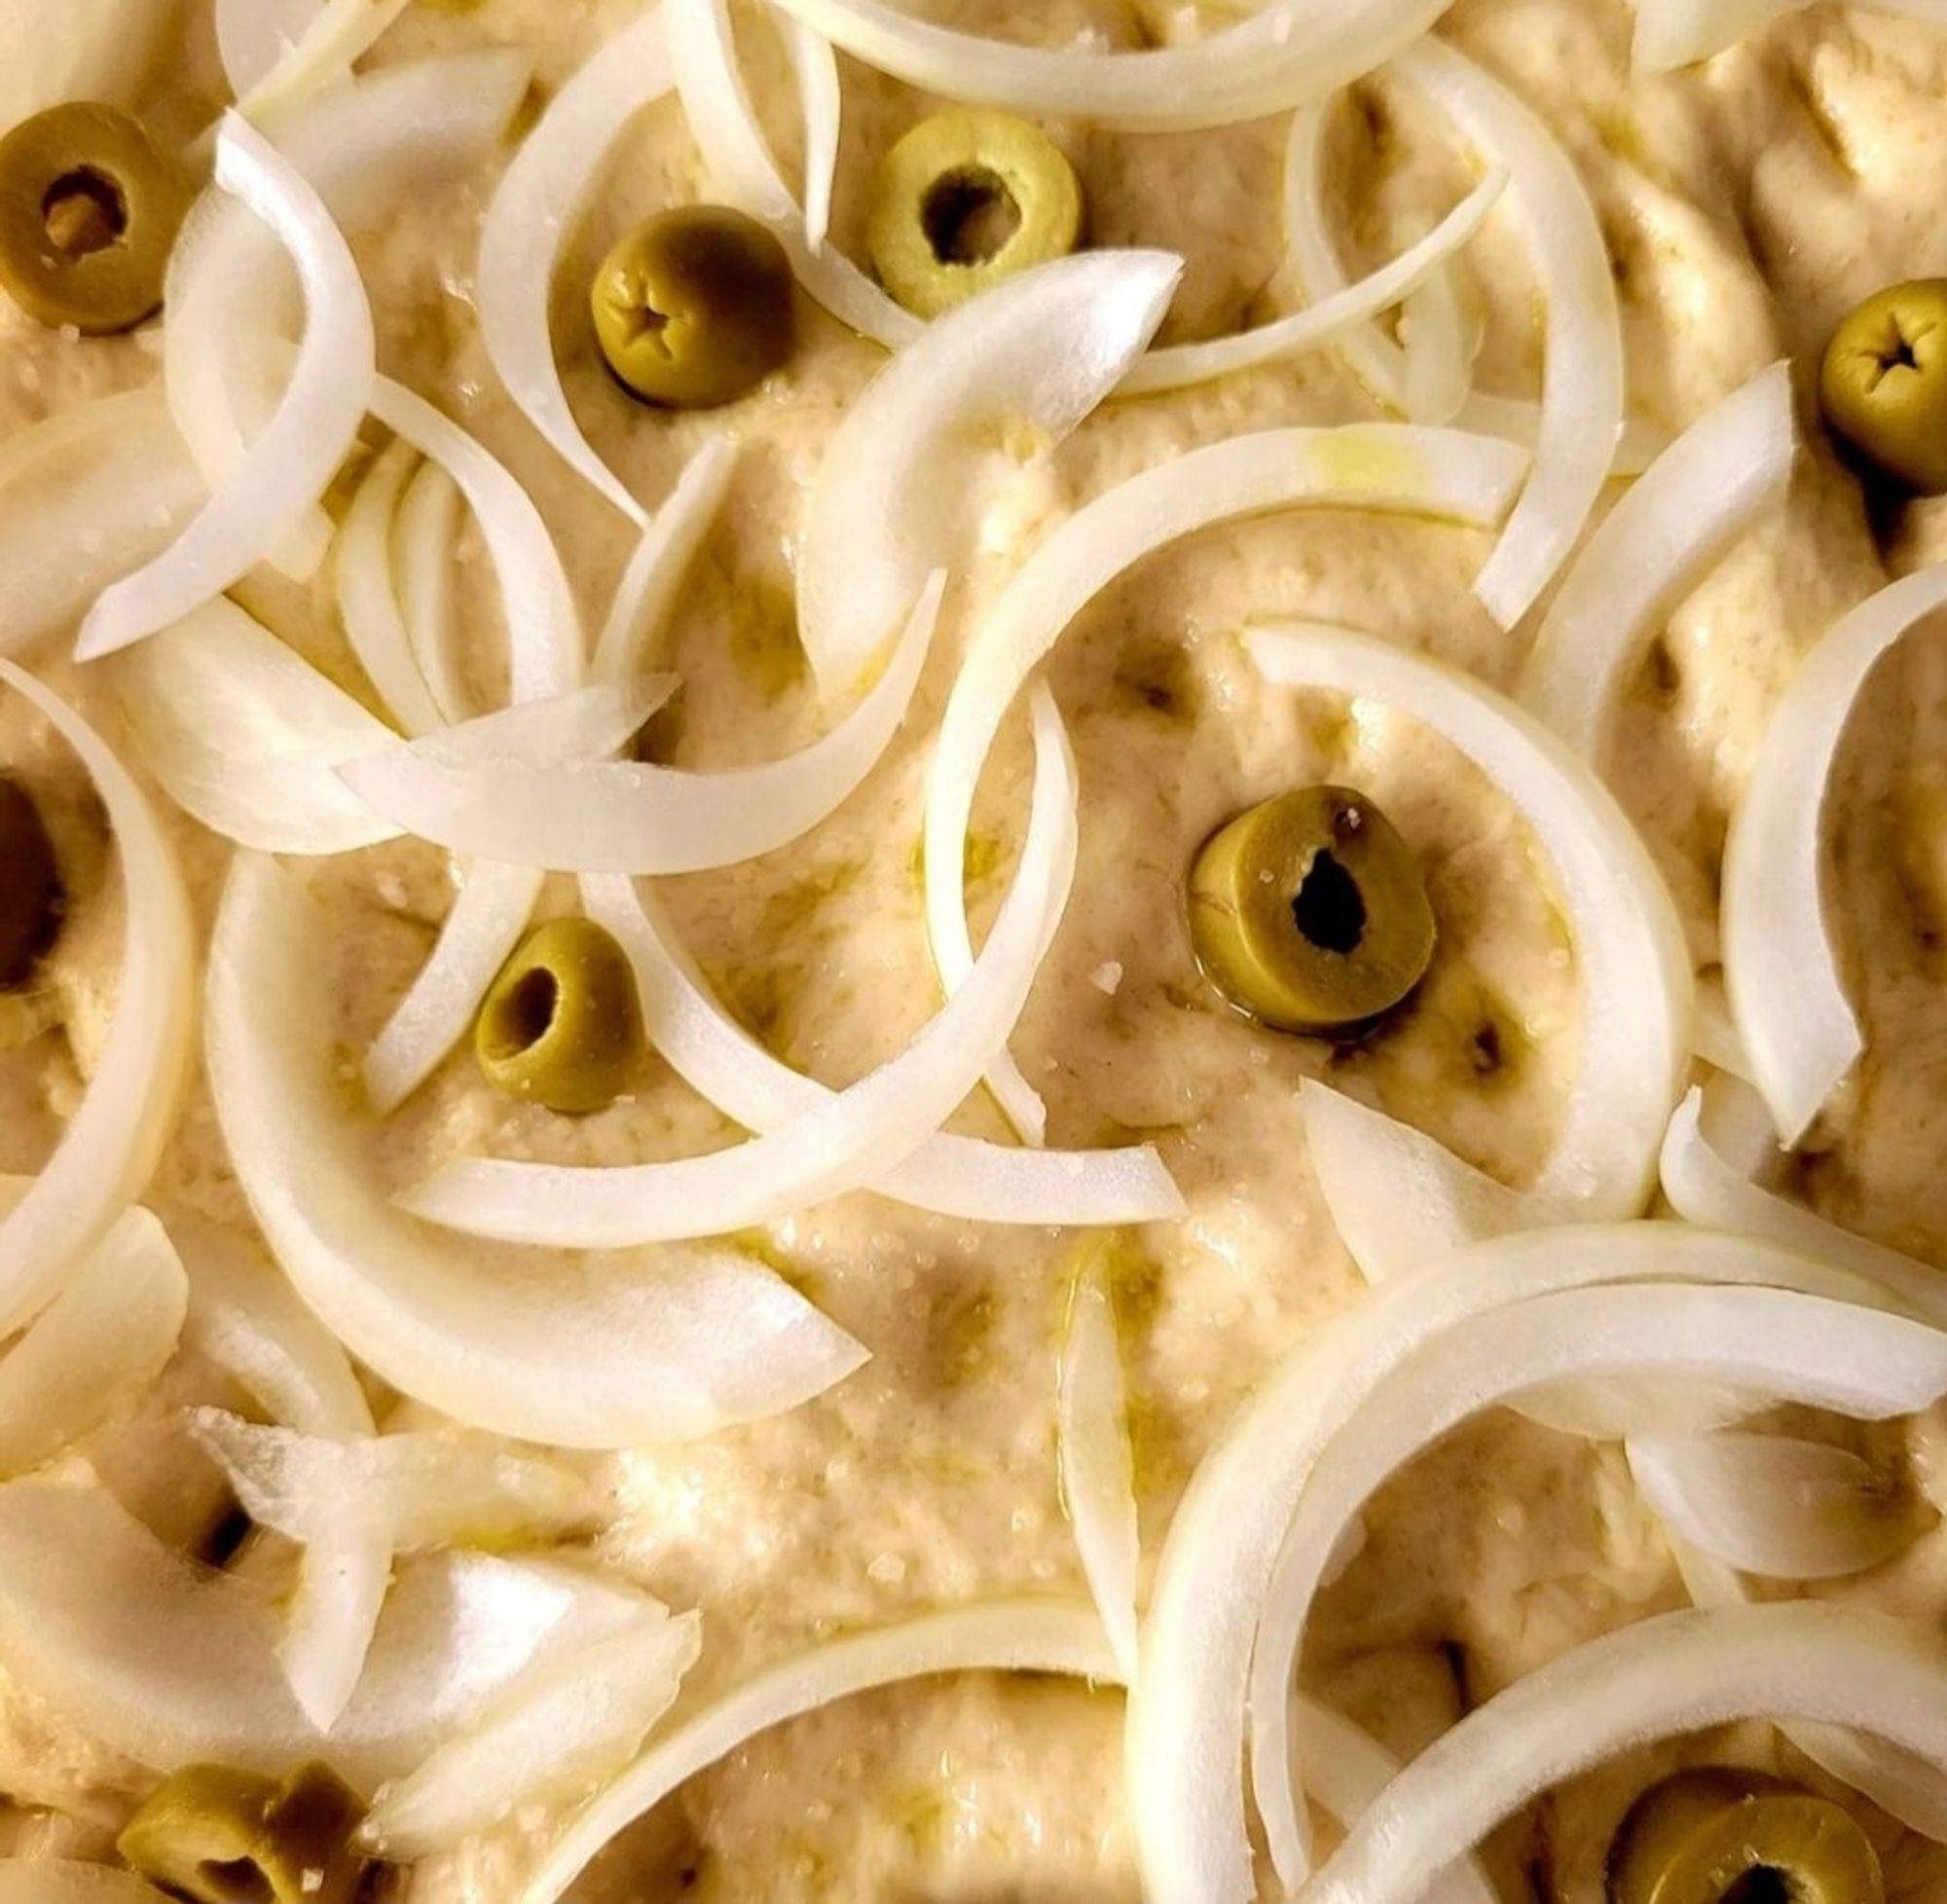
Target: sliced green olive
(965,200)
(562,1025)
(1883,381)
(220,1836)
(1722,1835)
(88,210)
(32,895)
(694,307)
(1308,912)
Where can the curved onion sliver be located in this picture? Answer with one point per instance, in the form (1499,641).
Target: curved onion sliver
(1187,1711)
(1096,1464)
(1287,53)
(961,1177)
(582,1359)
(85,497)
(272,487)
(1020,1635)
(1675,523)
(1443,338)
(337,34)
(822,106)
(1321,324)
(583,725)
(112,1143)
(1673,33)
(108,1333)
(703,46)
(1378,466)
(845,1143)
(246,736)
(368,602)
(1781,970)
(1394,1193)
(422,544)
(541,196)
(1676,1672)
(558,1732)
(893,491)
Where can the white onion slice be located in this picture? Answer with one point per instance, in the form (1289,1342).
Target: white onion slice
(723,122)
(1673,33)
(82,50)
(108,1333)
(1674,1674)
(842,1144)
(583,725)
(1443,340)
(338,33)
(423,536)
(1673,526)
(822,106)
(541,198)
(1394,1193)
(1379,467)
(247,1320)
(1320,323)
(1780,969)
(112,1142)
(580,1358)
(1582,373)
(170,1662)
(246,736)
(1778,1344)
(1020,1635)
(901,476)
(85,497)
(1096,1463)
(368,603)
(67,1881)
(1188,1707)
(633,817)
(290,464)
(954,1176)
(558,1732)
(1286,54)
(1771,1504)
(253,35)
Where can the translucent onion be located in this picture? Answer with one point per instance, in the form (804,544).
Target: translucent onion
(1187,1711)
(436,1487)
(1395,1194)
(247,1320)
(1320,323)
(1097,1462)
(1673,525)
(960,1177)
(82,50)
(1285,54)
(85,497)
(106,1336)
(285,471)
(634,817)
(723,122)
(1019,1635)
(1778,1344)
(587,724)
(1404,471)
(845,1143)
(1674,1674)
(253,35)
(822,106)
(542,197)
(338,34)
(580,1357)
(1780,969)
(1443,340)
(1673,33)
(246,736)
(368,602)
(1771,1504)
(423,536)
(561,1732)
(113,1141)
(901,476)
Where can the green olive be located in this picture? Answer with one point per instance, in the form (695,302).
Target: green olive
(965,200)
(1722,1835)
(1883,381)
(31,895)
(694,307)
(88,211)
(562,1025)
(1308,912)
(219,1836)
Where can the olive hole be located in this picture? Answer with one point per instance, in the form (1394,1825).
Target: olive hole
(1329,908)
(85,212)
(969,216)
(1763,1884)
(527,1013)
(240,1879)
